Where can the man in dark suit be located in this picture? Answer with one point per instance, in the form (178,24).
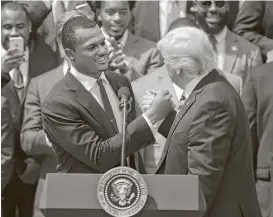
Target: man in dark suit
(254,22)
(258,100)
(209,136)
(137,56)
(78,117)
(21,67)
(7,143)
(33,139)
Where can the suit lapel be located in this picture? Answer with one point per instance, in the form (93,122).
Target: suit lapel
(91,105)
(232,52)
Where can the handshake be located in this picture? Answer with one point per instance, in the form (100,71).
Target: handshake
(157,104)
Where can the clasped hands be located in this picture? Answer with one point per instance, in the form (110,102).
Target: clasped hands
(157,104)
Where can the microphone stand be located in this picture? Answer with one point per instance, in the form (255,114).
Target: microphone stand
(126,108)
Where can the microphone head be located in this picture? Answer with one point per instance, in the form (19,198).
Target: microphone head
(124,91)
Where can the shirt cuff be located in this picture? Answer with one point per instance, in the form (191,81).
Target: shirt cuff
(154,128)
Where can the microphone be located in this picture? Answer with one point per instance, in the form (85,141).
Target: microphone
(125,99)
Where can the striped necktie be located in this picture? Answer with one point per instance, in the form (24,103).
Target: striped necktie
(18,83)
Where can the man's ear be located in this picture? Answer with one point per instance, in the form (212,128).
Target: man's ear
(70,54)
(193,8)
(98,14)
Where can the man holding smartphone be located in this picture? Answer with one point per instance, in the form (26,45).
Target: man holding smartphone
(23,57)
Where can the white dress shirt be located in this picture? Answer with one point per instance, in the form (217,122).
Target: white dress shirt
(221,48)
(91,86)
(23,67)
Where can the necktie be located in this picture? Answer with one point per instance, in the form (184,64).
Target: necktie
(213,42)
(106,103)
(18,83)
(182,101)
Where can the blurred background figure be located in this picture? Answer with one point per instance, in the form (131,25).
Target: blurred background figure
(254,22)
(258,100)
(233,53)
(33,138)
(34,58)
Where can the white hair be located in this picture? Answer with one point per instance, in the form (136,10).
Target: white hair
(187,49)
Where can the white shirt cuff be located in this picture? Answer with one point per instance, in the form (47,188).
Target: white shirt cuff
(154,128)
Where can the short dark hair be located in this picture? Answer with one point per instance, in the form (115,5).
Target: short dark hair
(97,5)
(15,6)
(70,28)
(183,22)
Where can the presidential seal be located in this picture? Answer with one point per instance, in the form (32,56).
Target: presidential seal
(122,192)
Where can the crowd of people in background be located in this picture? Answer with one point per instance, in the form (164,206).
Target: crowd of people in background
(217,122)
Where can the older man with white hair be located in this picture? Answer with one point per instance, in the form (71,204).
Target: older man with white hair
(209,136)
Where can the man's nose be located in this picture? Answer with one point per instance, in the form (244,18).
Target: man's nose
(212,7)
(116,16)
(103,49)
(14,32)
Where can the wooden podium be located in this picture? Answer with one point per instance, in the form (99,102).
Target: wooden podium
(75,195)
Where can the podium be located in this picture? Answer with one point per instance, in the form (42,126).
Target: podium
(75,195)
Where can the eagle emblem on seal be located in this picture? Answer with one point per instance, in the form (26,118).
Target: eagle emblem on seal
(122,192)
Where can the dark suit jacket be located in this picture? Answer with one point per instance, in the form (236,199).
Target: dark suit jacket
(33,140)
(210,138)
(255,23)
(41,59)
(258,100)
(7,143)
(84,139)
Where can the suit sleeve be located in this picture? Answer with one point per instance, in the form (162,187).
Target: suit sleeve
(209,142)
(155,60)
(250,102)
(33,140)
(249,22)
(64,126)
(7,144)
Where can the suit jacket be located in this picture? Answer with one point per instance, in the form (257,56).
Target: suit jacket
(142,55)
(258,100)
(254,22)
(7,143)
(84,139)
(41,59)
(240,56)
(210,138)
(33,140)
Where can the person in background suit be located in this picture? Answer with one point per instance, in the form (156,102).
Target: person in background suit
(234,54)
(209,136)
(78,118)
(136,56)
(33,140)
(254,23)
(163,14)
(258,100)
(21,67)
(7,144)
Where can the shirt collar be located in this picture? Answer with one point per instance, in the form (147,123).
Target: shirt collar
(87,81)
(220,37)
(122,40)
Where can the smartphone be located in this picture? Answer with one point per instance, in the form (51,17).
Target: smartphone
(16,43)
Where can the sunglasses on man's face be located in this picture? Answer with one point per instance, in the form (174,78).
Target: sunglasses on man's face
(207,4)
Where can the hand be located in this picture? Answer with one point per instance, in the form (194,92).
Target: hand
(117,56)
(148,99)
(12,59)
(161,106)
